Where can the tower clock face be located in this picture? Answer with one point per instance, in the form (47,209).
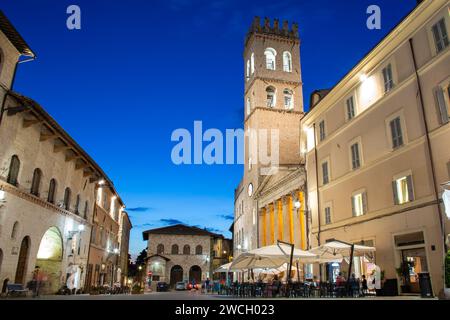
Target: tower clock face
(250,190)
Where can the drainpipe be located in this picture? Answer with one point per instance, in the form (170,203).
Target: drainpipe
(317,184)
(318,194)
(429,149)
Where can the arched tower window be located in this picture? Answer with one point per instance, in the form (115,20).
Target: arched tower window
(160,249)
(252,63)
(15,230)
(77,204)
(175,249)
(199,249)
(67,195)
(86,209)
(288,99)
(14,168)
(36,182)
(270,58)
(51,191)
(271,97)
(248,106)
(186,249)
(247,75)
(287,61)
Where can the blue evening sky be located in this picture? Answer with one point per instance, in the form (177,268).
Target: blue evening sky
(139,69)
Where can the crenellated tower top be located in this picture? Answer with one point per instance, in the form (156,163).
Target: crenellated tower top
(273,29)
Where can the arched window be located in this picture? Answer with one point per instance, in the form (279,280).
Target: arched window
(270,58)
(51,191)
(252,63)
(174,249)
(36,182)
(186,249)
(248,106)
(86,209)
(199,249)
(287,62)
(15,230)
(1,252)
(77,204)
(13,173)
(288,99)
(67,195)
(247,74)
(160,249)
(271,97)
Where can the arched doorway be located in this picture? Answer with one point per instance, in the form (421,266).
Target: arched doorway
(195,273)
(21,270)
(176,275)
(1,260)
(49,259)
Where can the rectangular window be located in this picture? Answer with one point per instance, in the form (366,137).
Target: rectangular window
(359,204)
(443,100)
(322,134)
(288,102)
(356,159)
(448,169)
(388,79)
(270,101)
(396,133)
(403,190)
(325,174)
(327,215)
(350,108)
(440,35)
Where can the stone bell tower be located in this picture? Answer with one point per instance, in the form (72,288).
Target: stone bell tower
(273,99)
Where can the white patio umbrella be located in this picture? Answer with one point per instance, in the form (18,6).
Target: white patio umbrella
(335,251)
(269,257)
(224,268)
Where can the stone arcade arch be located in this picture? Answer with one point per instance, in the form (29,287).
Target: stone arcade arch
(195,273)
(49,259)
(176,275)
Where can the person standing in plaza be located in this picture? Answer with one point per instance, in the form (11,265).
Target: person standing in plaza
(36,281)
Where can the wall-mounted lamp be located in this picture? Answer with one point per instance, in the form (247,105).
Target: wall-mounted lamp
(363,77)
(297,204)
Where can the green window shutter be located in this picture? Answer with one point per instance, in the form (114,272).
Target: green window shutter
(364,201)
(395,193)
(410,188)
(442,107)
(353,207)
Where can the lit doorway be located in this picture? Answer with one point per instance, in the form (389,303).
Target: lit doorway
(49,259)
(416,262)
(412,260)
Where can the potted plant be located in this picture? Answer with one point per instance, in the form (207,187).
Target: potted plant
(136,289)
(94,291)
(403,272)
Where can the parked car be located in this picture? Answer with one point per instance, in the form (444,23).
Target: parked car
(162,287)
(180,286)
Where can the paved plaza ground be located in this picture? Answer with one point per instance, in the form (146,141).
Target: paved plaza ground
(188,295)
